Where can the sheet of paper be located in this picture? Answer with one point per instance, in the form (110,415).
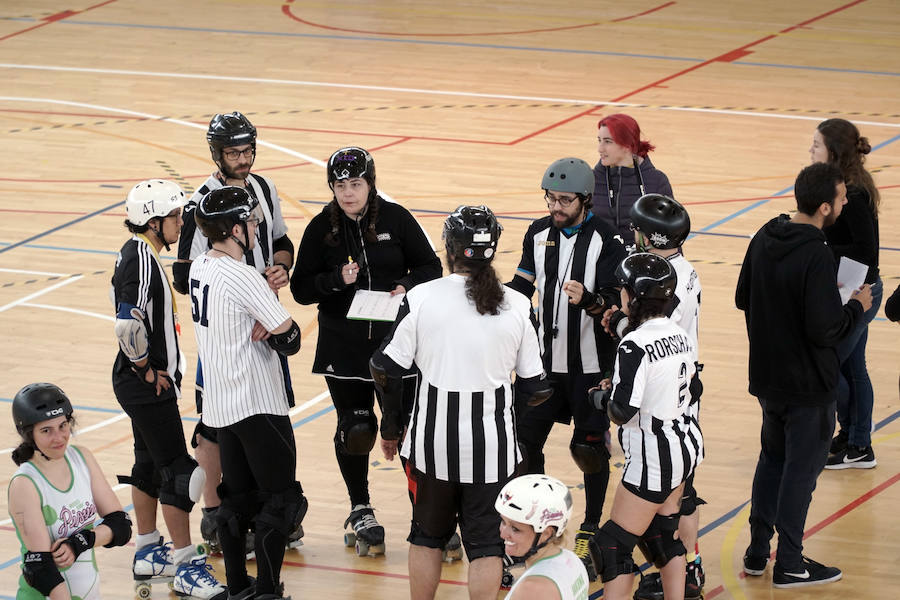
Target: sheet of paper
(851,275)
(374,306)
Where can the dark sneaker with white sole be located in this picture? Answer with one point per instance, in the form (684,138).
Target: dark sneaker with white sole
(755,565)
(810,573)
(853,457)
(839,442)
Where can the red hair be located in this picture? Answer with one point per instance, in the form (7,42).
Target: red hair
(626,132)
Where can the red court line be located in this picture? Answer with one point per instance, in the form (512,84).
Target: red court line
(737,52)
(826,522)
(53,18)
(364,572)
(286,9)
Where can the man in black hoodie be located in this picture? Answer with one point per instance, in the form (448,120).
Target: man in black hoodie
(789,294)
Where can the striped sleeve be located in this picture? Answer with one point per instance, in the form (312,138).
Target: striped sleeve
(253,294)
(629,377)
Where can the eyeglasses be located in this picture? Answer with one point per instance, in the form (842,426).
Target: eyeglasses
(235,154)
(563,201)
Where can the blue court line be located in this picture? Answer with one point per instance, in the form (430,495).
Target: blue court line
(315,415)
(64,225)
(814,68)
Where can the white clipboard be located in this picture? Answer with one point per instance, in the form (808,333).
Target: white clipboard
(368,305)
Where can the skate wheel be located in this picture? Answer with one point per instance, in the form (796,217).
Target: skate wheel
(507,580)
(451,555)
(376,550)
(362,548)
(142,590)
(349,539)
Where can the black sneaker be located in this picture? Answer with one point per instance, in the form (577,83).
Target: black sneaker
(694,579)
(754,565)
(853,457)
(839,442)
(813,573)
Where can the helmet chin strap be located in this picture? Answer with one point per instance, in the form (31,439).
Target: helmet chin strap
(535,546)
(245,245)
(159,234)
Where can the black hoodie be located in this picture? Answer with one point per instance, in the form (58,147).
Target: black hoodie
(788,292)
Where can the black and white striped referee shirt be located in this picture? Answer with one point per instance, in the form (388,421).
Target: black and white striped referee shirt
(242,378)
(462,427)
(662,442)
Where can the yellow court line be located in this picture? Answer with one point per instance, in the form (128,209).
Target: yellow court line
(726,556)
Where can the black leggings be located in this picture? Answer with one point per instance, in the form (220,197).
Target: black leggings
(347,396)
(259,460)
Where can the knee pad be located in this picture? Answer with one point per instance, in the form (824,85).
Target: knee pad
(143,474)
(611,549)
(589,451)
(659,543)
(690,501)
(236,511)
(282,511)
(182,483)
(356,432)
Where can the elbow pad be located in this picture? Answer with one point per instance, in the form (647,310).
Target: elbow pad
(532,390)
(283,244)
(287,343)
(40,572)
(180,274)
(132,332)
(120,524)
(619,413)
(390,388)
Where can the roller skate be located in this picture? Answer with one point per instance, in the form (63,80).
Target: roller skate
(194,579)
(152,564)
(651,587)
(507,579)
(452,549)
(208,527)
(585,534)
(367,535)
(250,545)
(295,539)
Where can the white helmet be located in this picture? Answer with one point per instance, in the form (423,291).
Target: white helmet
(153,198)
(538,500)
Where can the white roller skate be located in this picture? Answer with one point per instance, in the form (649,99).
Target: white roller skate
(152,564)
(367,535)
(194,579)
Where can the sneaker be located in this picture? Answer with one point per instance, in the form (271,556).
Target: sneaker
(839,442)
(813,573)
(194,579)
(754,565)
(853,457)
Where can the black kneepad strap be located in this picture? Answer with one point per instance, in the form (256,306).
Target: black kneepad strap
(40,572)
(357,431)
(659,543)
(283,511)
(611,549)
(120,524)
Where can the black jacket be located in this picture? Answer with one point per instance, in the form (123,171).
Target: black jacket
(401,256)
(788,292)
(892,306)
(855,233)
(616,211)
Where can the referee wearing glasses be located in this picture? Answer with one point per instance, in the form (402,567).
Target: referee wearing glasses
(570,258)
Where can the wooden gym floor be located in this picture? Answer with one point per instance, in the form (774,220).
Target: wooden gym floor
(460,103)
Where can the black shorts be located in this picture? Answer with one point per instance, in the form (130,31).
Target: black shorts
(439,505)
(648,495)
(689,498)
(570,401)
(205,431)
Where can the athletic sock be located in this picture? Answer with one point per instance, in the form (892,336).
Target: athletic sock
(183,555)
(146,539)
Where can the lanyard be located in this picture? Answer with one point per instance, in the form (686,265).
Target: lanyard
(165,275)
(614,196)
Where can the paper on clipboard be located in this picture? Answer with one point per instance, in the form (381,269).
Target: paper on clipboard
(368,305)
(850,277)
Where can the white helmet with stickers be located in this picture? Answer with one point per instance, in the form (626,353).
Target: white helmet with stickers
(537,500)
(153,198)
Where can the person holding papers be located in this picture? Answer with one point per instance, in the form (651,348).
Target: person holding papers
(359,243)
(854,235)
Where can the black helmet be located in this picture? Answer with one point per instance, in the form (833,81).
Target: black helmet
(663,221)
(222,209)
(225,131)
(351,162)
(647,275)
(38,402)
(472,232)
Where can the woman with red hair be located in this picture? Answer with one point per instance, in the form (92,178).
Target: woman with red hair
(624,173)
